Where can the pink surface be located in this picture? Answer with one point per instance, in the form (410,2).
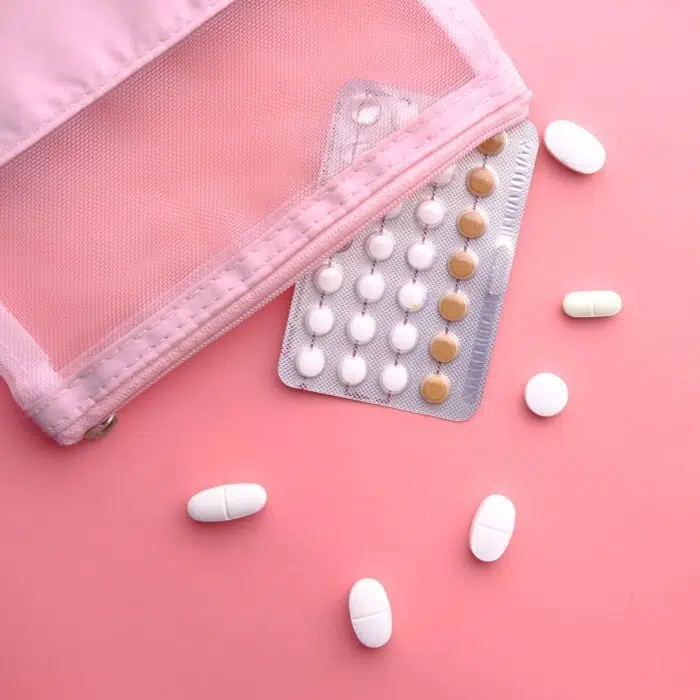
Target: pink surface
(108,591)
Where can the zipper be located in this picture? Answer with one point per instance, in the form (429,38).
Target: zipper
(446,155)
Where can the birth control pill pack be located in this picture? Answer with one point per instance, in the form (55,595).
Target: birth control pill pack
(406,314)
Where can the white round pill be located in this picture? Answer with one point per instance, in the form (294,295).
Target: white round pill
(546,394)
(445,177)
(352,370)
(361,328)
(310,361)
(380,246)
(370,286)
(367,112)
(412,296)
(394,212)
(430,213)
(574,147)
(319,319)
(394,379)
(421,255)
(403,337)
(328,279)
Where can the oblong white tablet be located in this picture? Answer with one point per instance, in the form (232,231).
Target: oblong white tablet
(492,528)
(592,304)
(226,502)
(546,394)
(370,613)
(574,147)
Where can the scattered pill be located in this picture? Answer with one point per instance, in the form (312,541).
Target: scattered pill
(370,287)
(592,304)
(462,264)
(412,296)
(370,613)
(352,370)
(574,147)
(453,306)
(546,394)
(310,361)
(361,328)
(494,145)
(435,388)
(226,502)
(471,223)
(492,528)
(329,278)
(444,347)
(394,379)
(394,212)
(380,246)
(481,181)
(421,255)
(319,320)
(430,213)
(445,177)
(403,338)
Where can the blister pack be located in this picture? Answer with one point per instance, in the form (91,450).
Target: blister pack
(406,315)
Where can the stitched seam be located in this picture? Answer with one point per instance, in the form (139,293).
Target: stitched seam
(357,169)
(125,69)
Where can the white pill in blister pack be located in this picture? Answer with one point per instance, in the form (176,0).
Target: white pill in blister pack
(226,502)
(320,320)
(592,304)
(421,255)
(403,337)
(546,394)
(370,287)
(310,361)
(394,379)
(328,279)
(352,370)
(412,296)
(362,328)
(445,177)
(370,613)
(492,528)
(431,213)
(380,246)
(394,212)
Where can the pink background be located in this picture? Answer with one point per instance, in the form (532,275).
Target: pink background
(107,591)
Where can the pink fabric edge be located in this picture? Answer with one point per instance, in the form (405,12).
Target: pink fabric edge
(321,222)
(185,24)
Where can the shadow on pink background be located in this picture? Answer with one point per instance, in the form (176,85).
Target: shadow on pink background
(108,592)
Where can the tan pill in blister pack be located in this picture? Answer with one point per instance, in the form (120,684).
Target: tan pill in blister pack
(405,316)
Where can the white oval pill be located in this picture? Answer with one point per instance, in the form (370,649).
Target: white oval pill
(394,212)
(574,147)
(445,177)
(412,296)
(370,286)
(430,213)
(319,320)
(403,337)
(421,255)
(352,370)
(380,246)
(546,394)
(226,502)
(370,613)
(394,379)
(492,528)
(361,328)
(310,361)
(328,279)
(592,304)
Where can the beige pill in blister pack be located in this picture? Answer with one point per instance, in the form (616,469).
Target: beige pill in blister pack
(405,316)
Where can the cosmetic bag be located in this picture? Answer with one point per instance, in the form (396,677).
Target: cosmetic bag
(159,170)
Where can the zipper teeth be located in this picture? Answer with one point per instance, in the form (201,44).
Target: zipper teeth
(353,228)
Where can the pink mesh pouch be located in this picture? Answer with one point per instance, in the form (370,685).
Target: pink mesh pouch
(159,169)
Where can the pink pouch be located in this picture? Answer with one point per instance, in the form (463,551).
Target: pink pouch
(159,162)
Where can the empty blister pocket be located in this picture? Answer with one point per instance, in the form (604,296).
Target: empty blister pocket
(407,314)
